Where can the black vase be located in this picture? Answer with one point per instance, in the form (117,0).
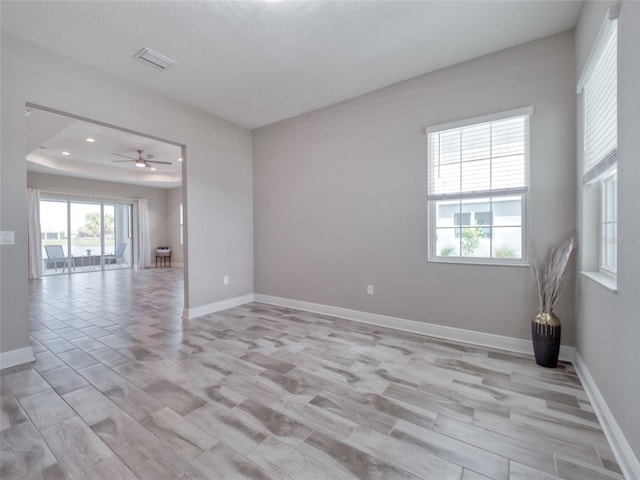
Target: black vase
(545,334)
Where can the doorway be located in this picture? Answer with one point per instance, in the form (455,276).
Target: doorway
(109,197)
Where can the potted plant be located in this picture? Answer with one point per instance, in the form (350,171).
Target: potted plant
(545,327)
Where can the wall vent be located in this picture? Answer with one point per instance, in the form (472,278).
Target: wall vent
(148,56)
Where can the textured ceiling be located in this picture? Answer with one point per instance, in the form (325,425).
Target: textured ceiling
(254,63)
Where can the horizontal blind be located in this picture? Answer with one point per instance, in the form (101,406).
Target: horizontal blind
(600,94)
(488,158)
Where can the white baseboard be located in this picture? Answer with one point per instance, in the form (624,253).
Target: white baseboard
(500,342)
(189,313)
(16,357)
(628,462)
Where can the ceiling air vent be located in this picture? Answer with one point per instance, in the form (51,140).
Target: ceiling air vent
(148,56)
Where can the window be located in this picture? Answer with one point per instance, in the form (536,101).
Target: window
(181,225)
(598,86)
(478,181)
(608,224)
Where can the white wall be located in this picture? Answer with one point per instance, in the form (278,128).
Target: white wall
(217,173)
(340,195)
(157,199)
(608,323)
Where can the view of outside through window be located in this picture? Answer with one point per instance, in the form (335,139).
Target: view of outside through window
(477,187)
(79,228)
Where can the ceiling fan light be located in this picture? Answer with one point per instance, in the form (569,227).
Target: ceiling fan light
(140,164)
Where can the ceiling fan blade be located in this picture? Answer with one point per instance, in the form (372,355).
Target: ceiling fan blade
(121,161)
(158,161)
(125,156)
(148,156)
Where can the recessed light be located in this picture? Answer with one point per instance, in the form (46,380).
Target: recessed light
(153,169)
(90,140)
(65,153)
(180,159)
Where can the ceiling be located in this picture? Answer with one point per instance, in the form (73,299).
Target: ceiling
(49,134)
(256,62)
(253,62)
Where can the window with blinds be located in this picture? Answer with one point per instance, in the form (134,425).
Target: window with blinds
(478,179)
(600,106)
(598,85)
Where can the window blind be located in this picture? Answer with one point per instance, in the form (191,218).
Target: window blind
(489,157)
(600,93)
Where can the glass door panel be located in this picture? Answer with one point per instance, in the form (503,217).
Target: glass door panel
(53,227)
(118,239)
(86,235)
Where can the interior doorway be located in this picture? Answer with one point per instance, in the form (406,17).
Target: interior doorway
(108,197)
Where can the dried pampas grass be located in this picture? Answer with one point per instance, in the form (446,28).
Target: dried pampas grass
(552,273)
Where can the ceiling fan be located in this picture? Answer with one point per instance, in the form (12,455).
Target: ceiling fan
(141,160)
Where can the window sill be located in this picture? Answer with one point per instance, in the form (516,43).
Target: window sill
(479,261)
(610,283)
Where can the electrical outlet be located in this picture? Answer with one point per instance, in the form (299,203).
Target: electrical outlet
(369,289)
(225,280)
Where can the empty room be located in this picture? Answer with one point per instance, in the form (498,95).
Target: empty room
(285,239)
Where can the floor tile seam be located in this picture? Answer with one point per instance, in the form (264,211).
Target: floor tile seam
(555,474)
(542,423)
(505,437)
(552,449)
(372,450)
(592,427)
(600,469)
(507,394)
(44,442)
(456,440)
(350,444)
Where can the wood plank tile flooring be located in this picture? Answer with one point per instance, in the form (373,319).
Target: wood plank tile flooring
(123,388)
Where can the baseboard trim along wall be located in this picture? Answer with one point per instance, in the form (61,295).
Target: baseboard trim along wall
(500,342)
(16,357)
(189,313)
(628,462)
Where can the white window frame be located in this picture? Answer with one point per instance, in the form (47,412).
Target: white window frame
(523,193)
(600,170)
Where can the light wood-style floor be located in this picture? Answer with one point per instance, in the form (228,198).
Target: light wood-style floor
(122,388)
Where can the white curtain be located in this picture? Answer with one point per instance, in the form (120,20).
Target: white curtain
(34,238)
(144,240)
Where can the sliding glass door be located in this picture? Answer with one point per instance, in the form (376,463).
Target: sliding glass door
(81,236)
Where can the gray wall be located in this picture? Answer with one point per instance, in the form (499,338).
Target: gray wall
(157,199)
(608,325)
(217,173)
(339,194)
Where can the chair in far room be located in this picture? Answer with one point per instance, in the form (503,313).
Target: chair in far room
(55,257)
(118,257)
